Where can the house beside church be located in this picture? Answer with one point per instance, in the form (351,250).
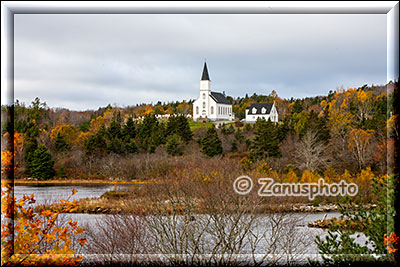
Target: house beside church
(261,110)
(210,105)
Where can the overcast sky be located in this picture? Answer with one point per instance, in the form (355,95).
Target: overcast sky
(86,61)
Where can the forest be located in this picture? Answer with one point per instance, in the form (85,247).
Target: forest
(343,134)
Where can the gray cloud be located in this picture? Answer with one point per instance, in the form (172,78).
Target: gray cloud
(87,61)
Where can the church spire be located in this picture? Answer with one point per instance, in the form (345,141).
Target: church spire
(205,76)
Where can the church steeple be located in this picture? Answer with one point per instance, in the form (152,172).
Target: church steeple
(205,76)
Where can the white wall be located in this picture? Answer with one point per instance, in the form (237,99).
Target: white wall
(273,115)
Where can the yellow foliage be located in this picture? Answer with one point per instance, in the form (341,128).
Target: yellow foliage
(309,177)
(69,132)
(22,244)
(291,177)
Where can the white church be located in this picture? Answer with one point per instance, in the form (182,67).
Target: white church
(211,106)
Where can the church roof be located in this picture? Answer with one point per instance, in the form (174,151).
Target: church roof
(205,76)
(219,98)
(259,107)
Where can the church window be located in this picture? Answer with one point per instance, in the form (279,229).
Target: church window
(197,110)
(212,110)
(204,96)
(204,104)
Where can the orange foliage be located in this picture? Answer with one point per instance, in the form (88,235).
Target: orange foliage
(391,242)
(36,238)
(8,156)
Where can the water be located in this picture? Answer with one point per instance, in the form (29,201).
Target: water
(48,194)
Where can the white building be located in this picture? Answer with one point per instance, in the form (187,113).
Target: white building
(211,105)
(261,110)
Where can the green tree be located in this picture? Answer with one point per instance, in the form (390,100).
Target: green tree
(179,125)
(131,147)
(129,130)
(96,143)
(41,165)
(266,140)
(60,143)
(339,246)
(115,130)
(174,145)
(151,133)
(116,146)
(211,144)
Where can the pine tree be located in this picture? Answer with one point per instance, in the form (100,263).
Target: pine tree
(211,145)
(41,166)
(116,146)
(60,143)
(131,147)
(174,145)
(129,130)
(96,144)
(115,131)
(266,140)
(151,133)
(179,125)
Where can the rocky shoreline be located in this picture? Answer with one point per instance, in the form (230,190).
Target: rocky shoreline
(118,205)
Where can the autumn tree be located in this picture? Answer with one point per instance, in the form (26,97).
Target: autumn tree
(310,152)
(30,238)
(358,143)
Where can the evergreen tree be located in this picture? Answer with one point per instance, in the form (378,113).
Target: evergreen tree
(129,130)
(211,145)
(266,140)
(41,165)
(96,144)
(174,145)
(116,146)
(60,143)
(151,133)
(179,125)
(115,131)
(30,148)
(131,147)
